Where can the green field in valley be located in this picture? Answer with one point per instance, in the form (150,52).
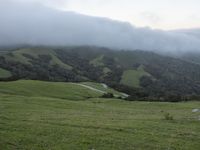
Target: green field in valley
(43,115)
(132,77)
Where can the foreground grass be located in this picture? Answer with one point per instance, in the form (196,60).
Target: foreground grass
(40,123)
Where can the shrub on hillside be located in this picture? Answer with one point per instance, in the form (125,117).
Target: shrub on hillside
(168,116)
(107,95)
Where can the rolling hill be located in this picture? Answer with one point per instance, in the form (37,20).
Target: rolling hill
(62,90)
(47,89)
(141,74)
(47,115)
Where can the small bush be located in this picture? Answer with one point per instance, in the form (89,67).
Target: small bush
(167,116)
(107,95)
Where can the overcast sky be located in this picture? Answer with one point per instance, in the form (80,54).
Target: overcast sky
(162,14)
(35,22)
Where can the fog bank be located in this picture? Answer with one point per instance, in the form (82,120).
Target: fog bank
(34,24)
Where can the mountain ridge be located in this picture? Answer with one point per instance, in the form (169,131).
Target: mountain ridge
(158,76)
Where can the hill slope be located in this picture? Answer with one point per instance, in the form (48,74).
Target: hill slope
(47,89)
(137,73)
(132,77)
(43,115)
(72,91)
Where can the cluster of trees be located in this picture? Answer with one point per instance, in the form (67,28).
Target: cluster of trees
(38,69)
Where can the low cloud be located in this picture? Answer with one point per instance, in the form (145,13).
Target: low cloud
(34,24)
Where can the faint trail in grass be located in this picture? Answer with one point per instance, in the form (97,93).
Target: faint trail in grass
(100,91)
(91,88)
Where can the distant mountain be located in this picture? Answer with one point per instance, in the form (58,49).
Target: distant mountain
(141,74)
(191,57)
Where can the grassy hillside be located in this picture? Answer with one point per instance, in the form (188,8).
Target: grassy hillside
(132,77)
(98,61)
(4,73)
(160,77)
(73,91)
(20,56)
(47,89)
(36,115)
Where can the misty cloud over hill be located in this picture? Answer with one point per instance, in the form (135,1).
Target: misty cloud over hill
(28,23)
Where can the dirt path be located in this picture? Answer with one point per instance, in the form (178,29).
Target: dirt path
(91,88)
(100,91)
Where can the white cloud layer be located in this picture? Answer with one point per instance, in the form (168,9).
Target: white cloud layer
(158,14)
(28,23)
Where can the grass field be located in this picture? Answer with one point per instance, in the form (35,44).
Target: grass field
(132,77)
(40,116)
(47,89)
